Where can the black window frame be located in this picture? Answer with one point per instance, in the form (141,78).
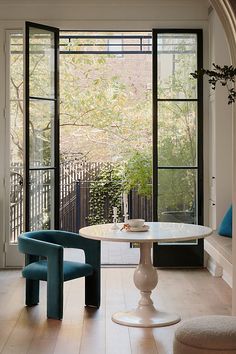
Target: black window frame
(56,161)
(177,255)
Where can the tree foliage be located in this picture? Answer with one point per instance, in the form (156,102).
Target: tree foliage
(138,173)
(101,109)
(105,193)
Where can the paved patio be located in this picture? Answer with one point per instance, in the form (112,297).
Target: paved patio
(112,253)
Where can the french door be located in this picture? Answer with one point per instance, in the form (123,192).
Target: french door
(42,195)
(32,155)
(177,140)
(177,137)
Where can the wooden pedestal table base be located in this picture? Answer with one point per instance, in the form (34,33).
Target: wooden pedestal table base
(145,279)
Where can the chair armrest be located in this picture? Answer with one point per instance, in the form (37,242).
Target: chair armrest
(91,248)
(36,247)
(54,253)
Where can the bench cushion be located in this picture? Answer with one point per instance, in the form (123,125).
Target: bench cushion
(222,244)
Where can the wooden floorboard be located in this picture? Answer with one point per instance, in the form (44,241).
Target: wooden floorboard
(89,331)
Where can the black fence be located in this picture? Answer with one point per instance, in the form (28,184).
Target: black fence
(76,179)
(16,201)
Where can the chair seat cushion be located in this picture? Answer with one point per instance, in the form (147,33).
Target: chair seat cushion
(214,333)
(72,270)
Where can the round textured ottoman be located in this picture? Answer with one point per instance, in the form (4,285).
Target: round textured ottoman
(206,335)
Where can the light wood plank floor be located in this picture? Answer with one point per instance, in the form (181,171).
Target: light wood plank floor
(88,331)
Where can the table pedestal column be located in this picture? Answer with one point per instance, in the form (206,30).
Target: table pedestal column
(145,279)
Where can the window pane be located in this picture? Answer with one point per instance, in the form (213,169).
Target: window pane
(41,65)
(41,133)
(177,196)
(177,133)
(41,197)
(177,58)
(16,136)
(16,67)
(106,107)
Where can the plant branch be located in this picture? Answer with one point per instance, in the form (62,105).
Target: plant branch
(225,75)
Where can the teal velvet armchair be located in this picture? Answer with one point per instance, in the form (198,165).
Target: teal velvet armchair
(44,261)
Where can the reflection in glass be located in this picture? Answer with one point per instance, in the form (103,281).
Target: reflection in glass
(177,196)
(41,133)
(41,199)
(177,58)
(177,133)
(41,64)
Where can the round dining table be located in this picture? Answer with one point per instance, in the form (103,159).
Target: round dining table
(145,274)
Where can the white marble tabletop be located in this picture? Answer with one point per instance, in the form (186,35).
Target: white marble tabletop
(158,232)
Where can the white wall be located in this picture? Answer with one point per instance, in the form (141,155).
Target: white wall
(96,15)
(102,12)
(220,129)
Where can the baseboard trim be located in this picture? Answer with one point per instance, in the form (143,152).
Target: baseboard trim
(227,278)
(214,268)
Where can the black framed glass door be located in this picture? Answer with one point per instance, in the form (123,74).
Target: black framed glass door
(41,127)
(177,140)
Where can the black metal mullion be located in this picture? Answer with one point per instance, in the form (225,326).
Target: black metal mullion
(109,52)
(26,134)
(42,98)
(104,52)
(154,128)
(110,44)
(76,36)
(200,155)
(177,99)
(45,168)
(56,134)
(103,36)
(177,168)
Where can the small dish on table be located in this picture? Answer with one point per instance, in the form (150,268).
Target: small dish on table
(135,225)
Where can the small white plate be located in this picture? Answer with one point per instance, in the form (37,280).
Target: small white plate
(138,229)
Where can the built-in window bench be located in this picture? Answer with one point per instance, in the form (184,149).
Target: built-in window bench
(219,256)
